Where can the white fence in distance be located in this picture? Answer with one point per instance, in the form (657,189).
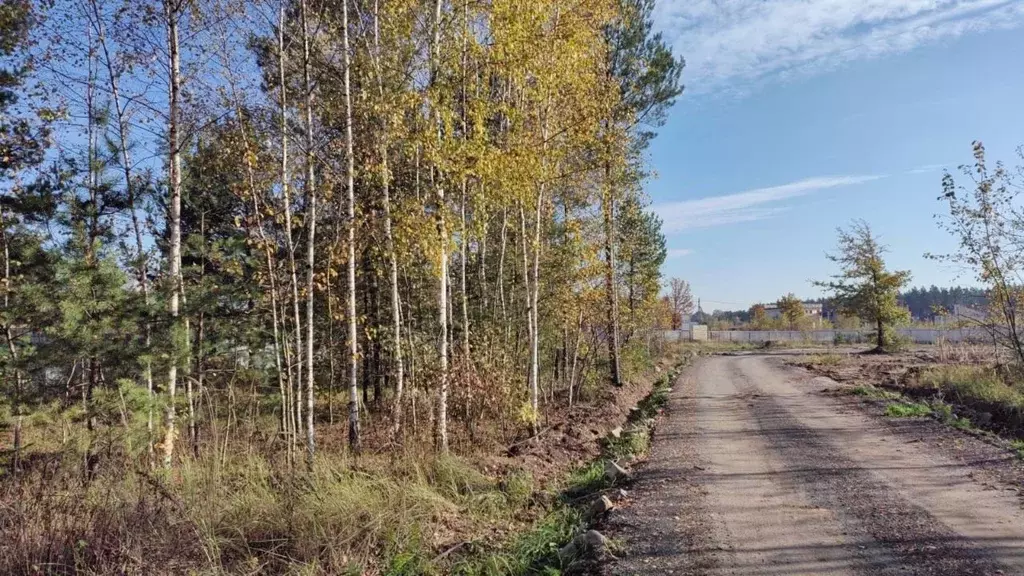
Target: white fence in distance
(915,335)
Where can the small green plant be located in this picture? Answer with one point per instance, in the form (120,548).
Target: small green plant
(586,479)
(908,410)
(633,442)
(518,487)
(1018,447)
(534,552)
(962,424)
(944,412)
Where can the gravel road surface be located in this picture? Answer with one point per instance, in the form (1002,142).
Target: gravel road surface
(757,470)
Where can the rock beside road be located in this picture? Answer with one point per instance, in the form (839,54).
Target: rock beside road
(588,545)
(600,507)
(615,473)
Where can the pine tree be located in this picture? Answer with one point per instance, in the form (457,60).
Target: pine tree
(646,77)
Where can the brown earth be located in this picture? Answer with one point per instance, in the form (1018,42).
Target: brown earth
(761,468)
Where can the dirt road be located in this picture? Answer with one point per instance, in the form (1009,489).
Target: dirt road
(755,470)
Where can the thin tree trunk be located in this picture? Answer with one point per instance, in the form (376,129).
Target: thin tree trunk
(396,304)
(367,272)
(286,193)
(277,335)
(193,429)
(501,275)
(271,270)
(442,232)
(484,301)
(531,377)
(534,303)
(608,206)
(631,288)
(330,351)
(375,341)
(113,78)
(287,350)
(193,424)
(462,282)
(311,222)
(171,12)
(90,260)
(353,334)
(575,356)
(467,362)
(12,348)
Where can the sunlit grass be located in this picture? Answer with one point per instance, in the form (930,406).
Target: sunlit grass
(908,410)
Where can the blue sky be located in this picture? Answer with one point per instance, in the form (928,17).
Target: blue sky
(801,115)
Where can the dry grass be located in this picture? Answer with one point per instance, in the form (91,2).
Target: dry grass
(829,359)
(972,384)
(241,516)
(963,353)
(238,509)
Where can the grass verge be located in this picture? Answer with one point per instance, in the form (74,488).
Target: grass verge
(969,384)
(903,406)
(535,552)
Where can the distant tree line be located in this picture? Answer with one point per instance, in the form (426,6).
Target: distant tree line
(925,303)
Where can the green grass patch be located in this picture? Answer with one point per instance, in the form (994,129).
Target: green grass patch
(586,479)
(961,424)
(908,410)
(1018,447)
(535,552)
(635,439)
(944,412)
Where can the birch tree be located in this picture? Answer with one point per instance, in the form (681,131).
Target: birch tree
(174,11)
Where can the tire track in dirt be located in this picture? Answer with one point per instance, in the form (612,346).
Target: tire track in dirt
(756,472)
(903,537)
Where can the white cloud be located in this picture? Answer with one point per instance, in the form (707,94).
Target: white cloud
(745,206)
(926,168)
(678,253)
(731,44)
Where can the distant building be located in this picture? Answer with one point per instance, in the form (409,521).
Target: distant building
(812,309)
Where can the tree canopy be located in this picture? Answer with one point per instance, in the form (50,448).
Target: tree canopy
(864,287)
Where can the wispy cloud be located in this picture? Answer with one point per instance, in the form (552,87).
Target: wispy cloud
(926,168)
(747,206)
(732,44)
(678,253)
